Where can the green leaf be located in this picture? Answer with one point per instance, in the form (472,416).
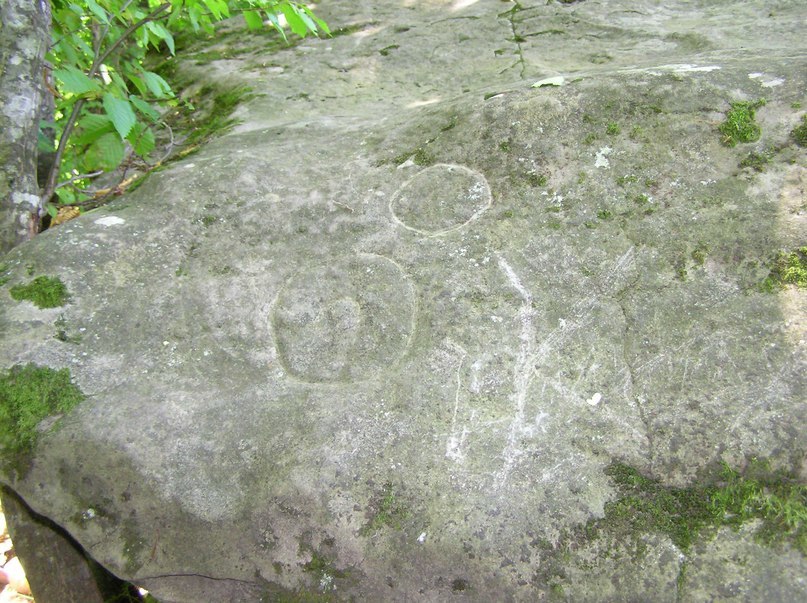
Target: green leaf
(74,81)
(143,37)
(52,210)
(44,143)
(142,139)
(97,11)
(253,19)
(119,83)
(218,8)
(193,15)
(71,50)
(138,83)
(91,127)
(75,8)
(66,195)
(121,113)
(105,153)
(310,25)
(276,24)
(84,47)
(297,25)
(157,85)
(322,24)
(69,19)
(161,33)
(144,108)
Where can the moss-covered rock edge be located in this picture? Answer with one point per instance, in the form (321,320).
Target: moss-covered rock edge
(28,395)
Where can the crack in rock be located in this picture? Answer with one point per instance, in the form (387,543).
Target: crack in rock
(510,15)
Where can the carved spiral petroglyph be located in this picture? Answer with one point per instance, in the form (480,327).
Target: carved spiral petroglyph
(344,321)
(440,199)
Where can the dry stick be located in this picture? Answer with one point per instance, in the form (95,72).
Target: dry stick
(53,176)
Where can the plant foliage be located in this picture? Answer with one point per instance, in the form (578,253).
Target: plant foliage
(108,104)
(740,124)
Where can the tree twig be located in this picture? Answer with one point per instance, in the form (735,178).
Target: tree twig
(72,31)
(79,177)
(129,30)
(170,145)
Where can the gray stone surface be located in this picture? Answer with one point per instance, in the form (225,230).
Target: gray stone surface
(381,340)
(53,564)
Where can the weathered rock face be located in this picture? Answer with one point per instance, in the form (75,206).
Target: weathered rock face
(382,340)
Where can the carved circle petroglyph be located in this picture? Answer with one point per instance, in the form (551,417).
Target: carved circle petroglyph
(440,199)
(344,321)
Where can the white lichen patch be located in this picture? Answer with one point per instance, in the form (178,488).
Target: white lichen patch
(601,159)
(326,583)
(25,199)
(767,81)
(110,221)
(694,68)
(19,109)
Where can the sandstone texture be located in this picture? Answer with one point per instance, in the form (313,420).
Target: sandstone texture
(382,340)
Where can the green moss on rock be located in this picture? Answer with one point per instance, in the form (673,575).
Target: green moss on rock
(684,514)
(789,268)
(29,394)
(740,124)
(388,510)
(419,156)
(799,133)
(423,158)
(755,161)
(219,120)
(645,505)
(43,291)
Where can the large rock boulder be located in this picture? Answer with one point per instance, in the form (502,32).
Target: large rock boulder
(395,335)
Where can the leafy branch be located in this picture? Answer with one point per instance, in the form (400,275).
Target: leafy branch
(53,176)
(107,102)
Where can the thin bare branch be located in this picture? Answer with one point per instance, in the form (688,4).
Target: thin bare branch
(80,177)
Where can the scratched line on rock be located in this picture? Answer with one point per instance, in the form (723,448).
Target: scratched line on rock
(456,438)
(529,357)
(522,373)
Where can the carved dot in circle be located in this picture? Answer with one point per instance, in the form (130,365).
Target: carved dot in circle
(441,198)
(344,321)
